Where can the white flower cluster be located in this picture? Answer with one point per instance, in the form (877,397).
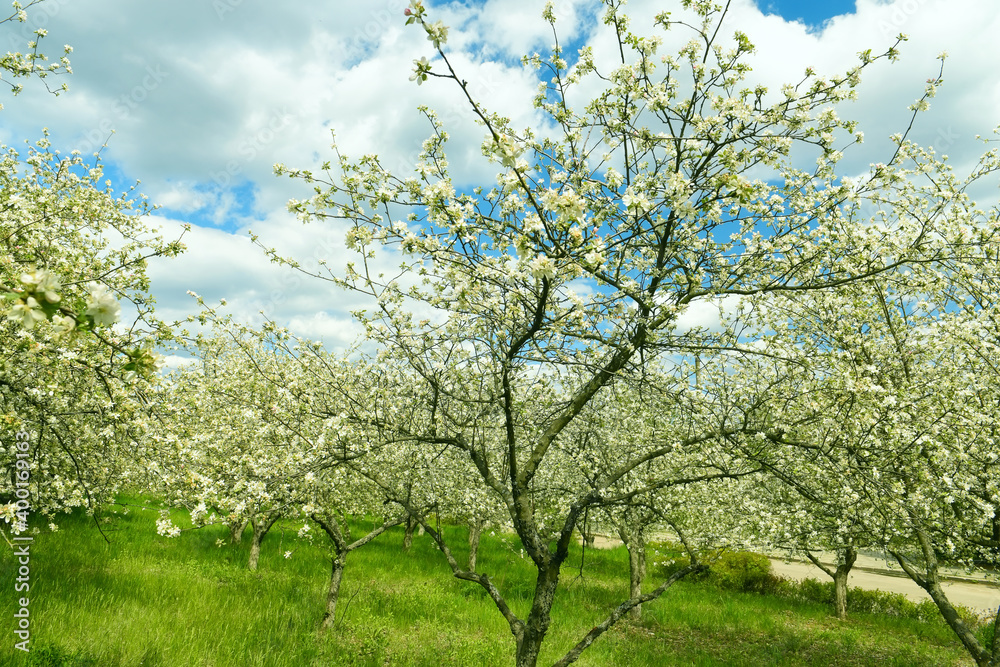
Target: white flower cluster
(39,293)
(39,288)
(509,150)
(304,532)
(542,267)
(102,305)
(635,201)
(166,528)
(9,514)
(199,513)
(567,205)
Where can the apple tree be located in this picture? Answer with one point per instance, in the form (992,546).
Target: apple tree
(678,183)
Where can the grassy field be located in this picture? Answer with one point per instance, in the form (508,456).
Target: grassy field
(148,600)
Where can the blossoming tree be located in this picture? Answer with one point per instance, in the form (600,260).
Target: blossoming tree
(675,185)
(71,250)
(261,428)
(68,377)
(234,442)
(883,421)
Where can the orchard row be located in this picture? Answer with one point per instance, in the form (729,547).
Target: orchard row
(527,364)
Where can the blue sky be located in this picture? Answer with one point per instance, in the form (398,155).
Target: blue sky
(810,12)
(204,97)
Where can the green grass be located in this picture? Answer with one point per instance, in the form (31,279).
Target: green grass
(148,600)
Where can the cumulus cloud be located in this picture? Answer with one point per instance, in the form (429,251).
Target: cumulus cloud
(204,97)
(706,314)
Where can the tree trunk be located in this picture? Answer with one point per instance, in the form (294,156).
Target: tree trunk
(333,592)
(236,529)
(635,542)
(574,654)
(475,530)
(258,536)
(637,573)
(341,548)
(260,529)
(529,644)
(846,562)
(930,581)
(411,525)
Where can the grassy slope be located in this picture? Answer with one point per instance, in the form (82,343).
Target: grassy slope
(146,600)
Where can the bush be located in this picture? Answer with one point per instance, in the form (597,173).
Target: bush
(729,570)
(866,601)
(860,600)
(985,631)
(881,602)
(751,573)
(666,557)
(742,571)
(814,590)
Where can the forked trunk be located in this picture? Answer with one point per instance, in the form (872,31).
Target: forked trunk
(341,549)
(260,529)
(848,557)
(411,525)
(333,593)
(845,561)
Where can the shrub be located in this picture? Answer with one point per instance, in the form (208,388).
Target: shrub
(749,572)
(666,557)
(742,571)
(728,570)
(985,630)
(881,602)
(860,600)
(813,590)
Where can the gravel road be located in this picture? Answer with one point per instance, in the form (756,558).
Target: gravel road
(982,597)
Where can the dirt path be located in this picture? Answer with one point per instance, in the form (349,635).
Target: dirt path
(982,597)
(979,596)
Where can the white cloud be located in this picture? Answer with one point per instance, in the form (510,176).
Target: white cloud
(207,96)
(173,362)
(706,313)
(338,333)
